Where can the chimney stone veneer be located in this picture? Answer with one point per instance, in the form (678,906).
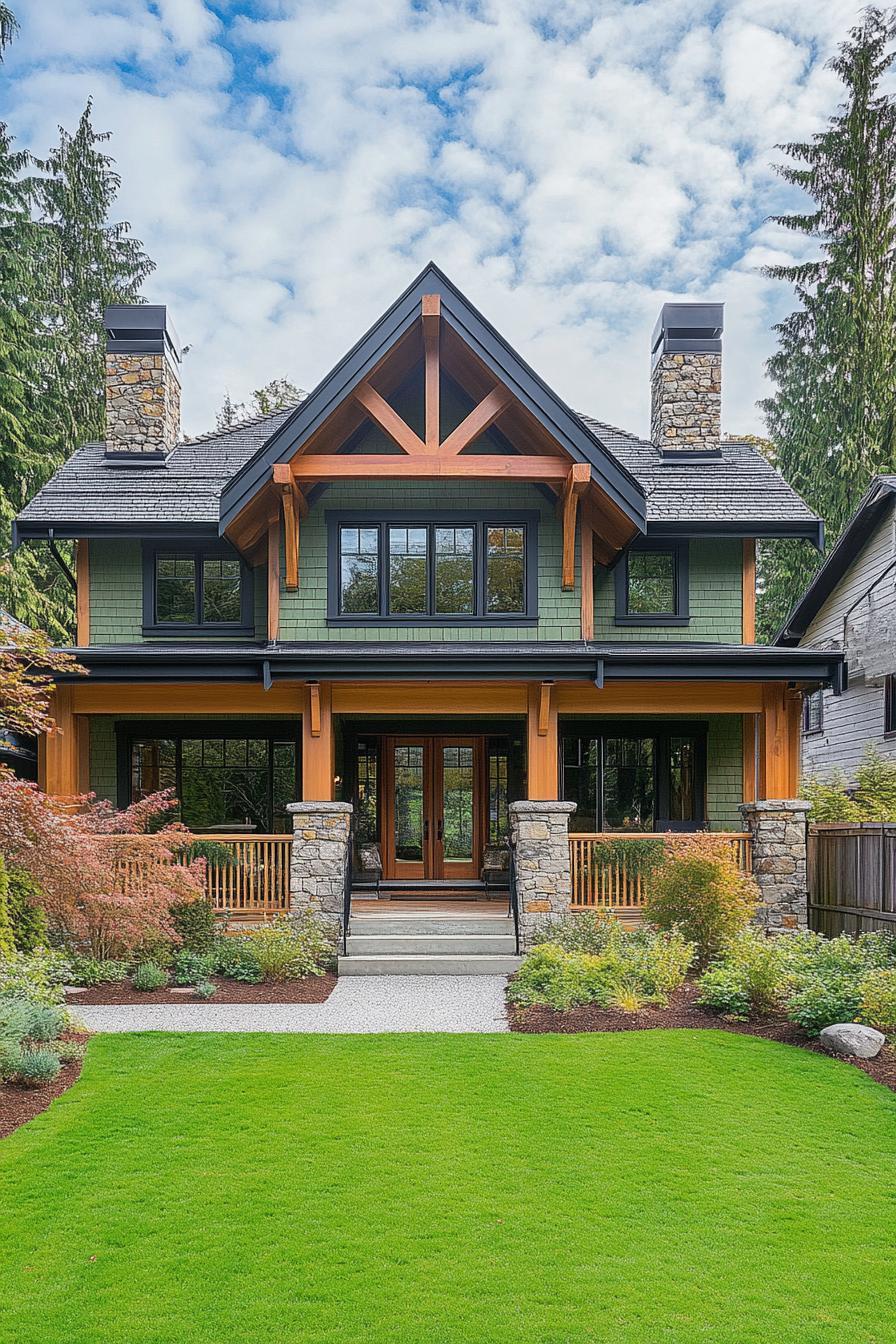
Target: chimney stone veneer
(142,384)
(686,378)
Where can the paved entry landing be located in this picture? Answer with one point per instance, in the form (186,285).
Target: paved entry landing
(358,1005)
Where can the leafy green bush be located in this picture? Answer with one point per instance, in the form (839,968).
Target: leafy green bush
(751,978)
(10,1058)
(29,923)
(37,1067)
(69,1051)
(644,965)
(148,976)
(656,962)
(46,1022)
(589,931)
(830,798)
(37,976)
(89,971)
(7,942)
(562,980)
(192,967)
(194,923)
(235,959)
(701,891)
(878,1005)
(872,799)
(823,1000)
(204,989)
(289,948)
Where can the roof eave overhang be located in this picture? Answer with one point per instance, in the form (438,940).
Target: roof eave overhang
(25,529)
(558,420)
(799,529)
(593,663)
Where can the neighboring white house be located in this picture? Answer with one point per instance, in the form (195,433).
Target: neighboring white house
(851,605)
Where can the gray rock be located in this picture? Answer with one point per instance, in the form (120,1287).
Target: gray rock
(851,1038)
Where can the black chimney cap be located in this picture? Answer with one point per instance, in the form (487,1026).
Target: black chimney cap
(140,329)
(695,327)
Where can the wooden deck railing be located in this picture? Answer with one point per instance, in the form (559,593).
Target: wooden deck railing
(255,881)
(602,876)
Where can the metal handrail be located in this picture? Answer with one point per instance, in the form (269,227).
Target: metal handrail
(514,901)
(347,885)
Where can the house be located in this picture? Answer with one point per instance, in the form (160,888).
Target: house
(428,591)
(850,606)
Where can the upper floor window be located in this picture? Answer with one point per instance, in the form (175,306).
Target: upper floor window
(813,712)
(437,570)
(196,588)
(652,584)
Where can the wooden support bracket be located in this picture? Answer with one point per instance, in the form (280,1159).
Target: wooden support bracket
(477,422)
(389,421)
(576,483)
(314,707)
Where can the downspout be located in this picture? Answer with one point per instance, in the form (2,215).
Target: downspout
(60,560)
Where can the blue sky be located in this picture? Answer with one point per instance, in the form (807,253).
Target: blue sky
(290,166)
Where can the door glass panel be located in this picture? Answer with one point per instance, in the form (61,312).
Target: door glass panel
(628,783)
(457,803)
(366,800)
(498,795)
(409,802)
(682,779)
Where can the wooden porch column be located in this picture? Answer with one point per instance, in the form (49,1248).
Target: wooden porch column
(779,742)
(61,756)
(318,760)
(274,578)
(543,782)
(82,597)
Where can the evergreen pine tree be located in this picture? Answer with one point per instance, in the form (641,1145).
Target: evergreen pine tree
(831,417)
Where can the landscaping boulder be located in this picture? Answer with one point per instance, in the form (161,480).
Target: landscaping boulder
(851,1038)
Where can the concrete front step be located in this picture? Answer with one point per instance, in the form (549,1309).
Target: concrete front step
(486,964)
(430,944)
(426,926)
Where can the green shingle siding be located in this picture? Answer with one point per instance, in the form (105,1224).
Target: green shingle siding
(716,580)
(724,771)
(116,592)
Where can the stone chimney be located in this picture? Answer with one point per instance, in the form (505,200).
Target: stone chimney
(686,379)
(142,384)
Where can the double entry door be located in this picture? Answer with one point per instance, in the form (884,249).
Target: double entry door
(433,798)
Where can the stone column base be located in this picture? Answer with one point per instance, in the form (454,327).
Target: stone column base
(321,836)
(778,828)
(539,836)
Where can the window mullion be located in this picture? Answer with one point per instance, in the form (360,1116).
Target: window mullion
(198,584)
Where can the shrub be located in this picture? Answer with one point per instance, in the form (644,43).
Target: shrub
(589,931)
(751,978)
(194,924)
(627,1000)
(656,961)
(823,1000)
(29,923)
(700,890)
(46,1023)
(562,980)
(10,1058)
(204,989)
(38,977)
(830,798)
(235,959)
(878,1003)
(149,976)
(7,943)
(88,971)
(290,948)
(37,1067)
(872,799)
(639,857)
(190,968)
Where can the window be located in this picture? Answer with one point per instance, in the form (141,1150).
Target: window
(813,712)
(192,589)
(442,570)
(635,777)
(652,584)
(238,777)
(890,704)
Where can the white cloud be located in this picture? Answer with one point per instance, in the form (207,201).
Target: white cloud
(570,164)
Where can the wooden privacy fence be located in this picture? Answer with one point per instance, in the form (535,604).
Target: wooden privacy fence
(255,880)
(852,877)
(606,868)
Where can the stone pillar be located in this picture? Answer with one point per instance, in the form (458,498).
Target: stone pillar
(778,828)
(321,836)
(539,836)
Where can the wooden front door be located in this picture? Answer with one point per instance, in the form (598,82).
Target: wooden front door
(433,805)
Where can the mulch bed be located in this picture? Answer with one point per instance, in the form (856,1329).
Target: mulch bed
(19,1104)
(684,1011)
(313,989)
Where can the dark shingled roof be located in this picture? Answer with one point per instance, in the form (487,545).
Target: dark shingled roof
(739,487)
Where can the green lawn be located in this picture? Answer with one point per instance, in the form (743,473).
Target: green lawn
(649,1187)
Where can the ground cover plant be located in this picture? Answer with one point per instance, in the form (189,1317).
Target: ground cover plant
(649,1186)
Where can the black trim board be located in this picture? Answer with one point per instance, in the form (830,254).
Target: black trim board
(854,536)
(808,529)
(494,351)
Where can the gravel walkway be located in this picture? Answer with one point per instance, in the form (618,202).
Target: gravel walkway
(359,1004)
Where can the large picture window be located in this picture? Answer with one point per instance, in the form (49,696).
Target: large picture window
(445,570)
(652,584)
(635,777)
(236,777)
(192,589)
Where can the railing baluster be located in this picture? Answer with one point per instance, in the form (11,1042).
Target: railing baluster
(612,884)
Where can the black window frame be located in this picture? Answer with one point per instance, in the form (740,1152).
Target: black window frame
(662,735)
(679,551)
(134,730)
(813,698)
(200,551)
(480,520)
(890,705)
